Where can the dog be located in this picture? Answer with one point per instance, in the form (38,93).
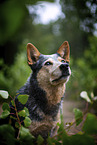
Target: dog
(45,87)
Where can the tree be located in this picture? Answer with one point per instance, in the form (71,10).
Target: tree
(79,23)
(85,11)
(13,16)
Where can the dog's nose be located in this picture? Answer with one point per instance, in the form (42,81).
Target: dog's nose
(64,67)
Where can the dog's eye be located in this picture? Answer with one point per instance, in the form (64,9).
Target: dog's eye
(67,61)
(48,63)
(63,61)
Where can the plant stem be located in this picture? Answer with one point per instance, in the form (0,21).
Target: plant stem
(18,119)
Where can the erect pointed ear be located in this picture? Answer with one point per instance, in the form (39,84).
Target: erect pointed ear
(64,50)
(32,54)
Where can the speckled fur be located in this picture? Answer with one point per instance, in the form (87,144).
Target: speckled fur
(45,87)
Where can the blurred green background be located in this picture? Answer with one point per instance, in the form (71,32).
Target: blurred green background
(79,28)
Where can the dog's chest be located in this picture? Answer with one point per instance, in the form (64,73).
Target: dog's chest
(47,124)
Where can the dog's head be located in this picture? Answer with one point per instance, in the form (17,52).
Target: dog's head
(53,69)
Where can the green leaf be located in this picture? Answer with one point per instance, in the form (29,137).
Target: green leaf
(61,125)
(24,132)
(40,140)
(26,111)
(23,99)
(61,131)
(85,96)
(17,125)
(90,125)
(13,103)
(81,140)
(49,141)
(22,113)
(7,135)
(4,114)
(4,94)
(27,121)
(78,116)
(25,136)
(5,107)
(52,141)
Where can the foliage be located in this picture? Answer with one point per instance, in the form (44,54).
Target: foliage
(7,134)
(86,135)
(15,25)
(85,70)
(88,67)
(16,75)
(13,14)
(78,25)
(84,11)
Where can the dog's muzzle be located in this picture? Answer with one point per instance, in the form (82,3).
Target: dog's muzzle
(61,73)
(65,69)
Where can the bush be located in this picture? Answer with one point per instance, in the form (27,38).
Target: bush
(15,75)
(84,71)
(86,135)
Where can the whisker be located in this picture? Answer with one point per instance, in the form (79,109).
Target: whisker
(73,74)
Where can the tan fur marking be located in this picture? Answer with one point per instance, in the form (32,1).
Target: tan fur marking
(60,59)
(54,92)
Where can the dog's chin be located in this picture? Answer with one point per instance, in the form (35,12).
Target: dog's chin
(60,80)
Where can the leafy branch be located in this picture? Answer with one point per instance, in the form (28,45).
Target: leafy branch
(86,135)
(23,113)
(88,120)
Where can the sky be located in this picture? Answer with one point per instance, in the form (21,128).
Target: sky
(46,12)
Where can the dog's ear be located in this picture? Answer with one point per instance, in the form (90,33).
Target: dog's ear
(32,54)
(64,50)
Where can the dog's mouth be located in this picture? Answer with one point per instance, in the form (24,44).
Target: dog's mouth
(63,77)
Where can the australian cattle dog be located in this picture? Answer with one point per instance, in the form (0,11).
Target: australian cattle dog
(45,87)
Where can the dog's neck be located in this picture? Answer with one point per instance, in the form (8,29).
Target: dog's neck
(54,93)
